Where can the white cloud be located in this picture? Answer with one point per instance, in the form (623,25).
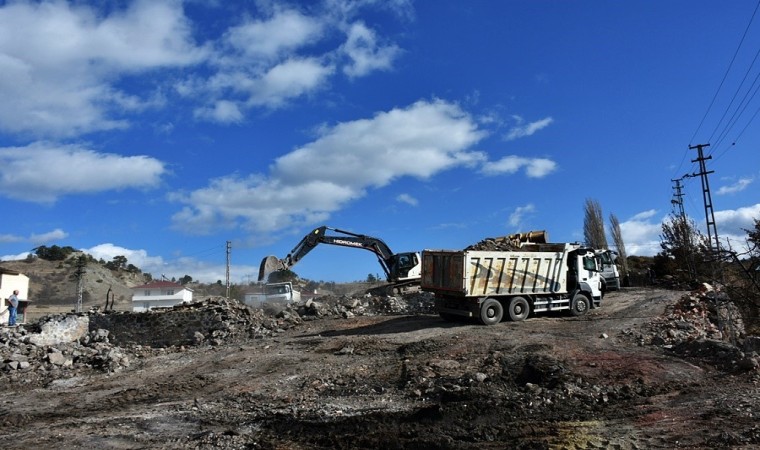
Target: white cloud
(177,268)
(50,236)
(290,79)
(307,184)
(739,186)
(408,199)
(64,65)
(534,167)
(223,111)
(285,31)
(271,61)
(9,238)
(365,54)
(139,258)
(42,172)
(641,235)
(36,238)
(60,62)
(16,257)
(527,129)
(517,216)
(736,221)
(644,215)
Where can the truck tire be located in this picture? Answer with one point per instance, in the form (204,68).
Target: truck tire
(491,311)
(580,305)
(519,309)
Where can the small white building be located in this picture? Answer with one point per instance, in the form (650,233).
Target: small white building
(11,280)
(159,294)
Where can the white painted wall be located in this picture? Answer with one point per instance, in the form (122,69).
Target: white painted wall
(8,284)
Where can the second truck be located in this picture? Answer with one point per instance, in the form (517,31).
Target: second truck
(532,278)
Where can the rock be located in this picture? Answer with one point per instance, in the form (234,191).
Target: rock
(58,359)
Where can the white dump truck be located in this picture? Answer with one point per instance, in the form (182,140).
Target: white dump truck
(273,293)
(533,278)
(610,274)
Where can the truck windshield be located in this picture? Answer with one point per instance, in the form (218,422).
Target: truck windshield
(277,289)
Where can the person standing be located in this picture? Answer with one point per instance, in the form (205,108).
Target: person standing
(12,308)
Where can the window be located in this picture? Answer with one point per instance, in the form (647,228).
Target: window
(147,293)
(169,292)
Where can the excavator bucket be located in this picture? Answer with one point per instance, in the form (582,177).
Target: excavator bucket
(268,265)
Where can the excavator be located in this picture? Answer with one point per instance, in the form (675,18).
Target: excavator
(402,270)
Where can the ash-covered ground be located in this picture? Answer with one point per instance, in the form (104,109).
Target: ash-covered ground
(652,368)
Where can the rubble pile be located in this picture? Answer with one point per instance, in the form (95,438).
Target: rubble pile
(214,321)
(707,325)
(367,305)
(60,346)
(500,244)
(33,358)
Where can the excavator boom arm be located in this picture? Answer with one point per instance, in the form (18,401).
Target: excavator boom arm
(318,236)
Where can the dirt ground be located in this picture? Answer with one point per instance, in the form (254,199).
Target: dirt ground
(606,380)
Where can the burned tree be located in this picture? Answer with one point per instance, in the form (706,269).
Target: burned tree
(617,239)
(593,225)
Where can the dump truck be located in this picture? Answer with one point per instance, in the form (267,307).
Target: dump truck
(278,293)
(532,278)
(610,274)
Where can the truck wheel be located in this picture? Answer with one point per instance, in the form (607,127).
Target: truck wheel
(491,312)
(580,305)
(518,309)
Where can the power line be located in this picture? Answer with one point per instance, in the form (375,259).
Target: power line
(725,75)
(736,93)
(740,108)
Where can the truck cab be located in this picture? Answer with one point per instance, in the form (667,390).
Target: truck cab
(608,269)
(586,269)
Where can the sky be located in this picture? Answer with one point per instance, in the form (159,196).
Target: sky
(162,130)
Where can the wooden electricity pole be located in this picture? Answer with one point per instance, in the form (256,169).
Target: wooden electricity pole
(229,249)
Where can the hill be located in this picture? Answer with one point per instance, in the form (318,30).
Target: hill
(53,283)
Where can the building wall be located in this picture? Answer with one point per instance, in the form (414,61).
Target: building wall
(8,284)
(159,298)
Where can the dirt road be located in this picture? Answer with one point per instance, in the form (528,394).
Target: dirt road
(407,382)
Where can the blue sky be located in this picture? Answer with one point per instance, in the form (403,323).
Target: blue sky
(160,130)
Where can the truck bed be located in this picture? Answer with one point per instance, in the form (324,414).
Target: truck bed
(476,273)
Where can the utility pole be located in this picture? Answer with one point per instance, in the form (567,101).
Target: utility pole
(678,198)
(229,249)
(686,234)
(79,275)
(712,230)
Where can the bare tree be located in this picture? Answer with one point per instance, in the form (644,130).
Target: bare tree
(617,239)
(593,225)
